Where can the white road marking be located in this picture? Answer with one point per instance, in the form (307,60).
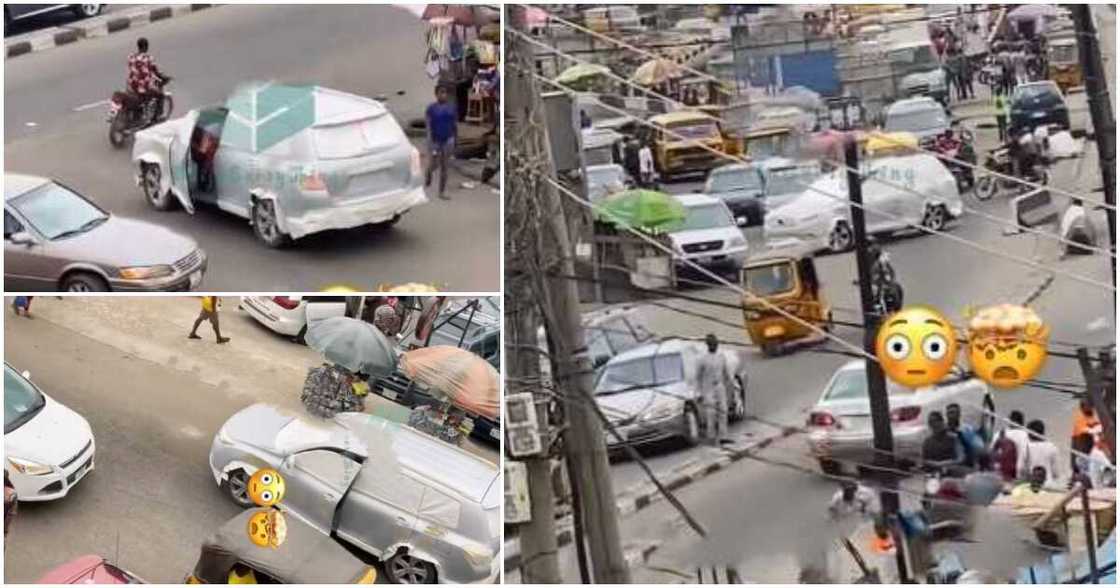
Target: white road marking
(90,105)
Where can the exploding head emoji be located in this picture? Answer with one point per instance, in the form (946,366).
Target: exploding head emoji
(1007,344)
(267,528)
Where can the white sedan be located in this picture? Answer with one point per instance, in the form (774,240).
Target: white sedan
(898,192)
(48,448)
(290,315)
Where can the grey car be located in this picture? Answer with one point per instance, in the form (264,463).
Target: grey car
(293,160)
(428,510)
(56,239)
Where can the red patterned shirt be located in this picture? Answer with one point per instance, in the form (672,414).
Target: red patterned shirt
(141,73)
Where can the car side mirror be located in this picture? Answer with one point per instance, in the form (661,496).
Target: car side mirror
(741,221)
(26,374)
(21,238)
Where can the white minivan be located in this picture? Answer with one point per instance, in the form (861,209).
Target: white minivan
(290,315)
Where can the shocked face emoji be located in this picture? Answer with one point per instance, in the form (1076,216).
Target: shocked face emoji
(1007,345)
(916,347)
(266,487)
(267,528)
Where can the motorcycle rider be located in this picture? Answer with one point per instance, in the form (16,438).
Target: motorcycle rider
(144,77)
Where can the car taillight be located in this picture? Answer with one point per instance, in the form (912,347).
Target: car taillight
(904,414)
(415,166)
(285,302)
(312,182)
(822,419)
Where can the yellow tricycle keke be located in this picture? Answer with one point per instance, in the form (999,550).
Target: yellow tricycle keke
(1064,64)
(787,279)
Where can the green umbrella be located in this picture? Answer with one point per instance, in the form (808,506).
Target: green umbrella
(651,210)
(580,72)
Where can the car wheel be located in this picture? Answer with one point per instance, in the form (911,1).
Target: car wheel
(830,467)
(168,106)
(841,237)
(985,188)
(117,134)
(87,10)
(150,176)
(265,224)
(935,218)
(237,486)
(403,568)
(691,426)
(84,282)
(771,349)
(301,336)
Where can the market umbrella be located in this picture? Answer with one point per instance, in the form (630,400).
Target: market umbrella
(647,209)
(535,17)
(353,344)
(1033,12)
(656,71)
(467,380)
(467,15)
(581,72)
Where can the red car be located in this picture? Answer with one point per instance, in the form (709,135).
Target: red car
(89,569)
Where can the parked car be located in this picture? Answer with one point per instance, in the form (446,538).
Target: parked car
(343,163)
(428,510)
(840,423)
(650,393)
(709,237)
(932,83)
(14,13)
(604,180)
(750,189)
(56,239)
(290,315)
(48,448)
(306,556)
(90,569)
(821,216)
(1036,104)
(923,117)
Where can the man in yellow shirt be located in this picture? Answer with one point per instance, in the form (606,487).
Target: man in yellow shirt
(210,307)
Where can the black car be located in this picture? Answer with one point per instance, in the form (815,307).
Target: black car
(19,12)
(1037,104)
(740,186)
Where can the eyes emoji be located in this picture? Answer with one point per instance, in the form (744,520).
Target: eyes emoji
(898,346)
(934,346)
(266,487)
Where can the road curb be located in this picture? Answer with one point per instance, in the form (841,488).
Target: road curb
(97,27)
(644,495)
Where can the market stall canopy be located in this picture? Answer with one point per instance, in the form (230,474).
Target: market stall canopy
(580,72)
(468,15)
(353,344)
(656,71)
(467,380)
(1034,12)
(535,17)
(651,210)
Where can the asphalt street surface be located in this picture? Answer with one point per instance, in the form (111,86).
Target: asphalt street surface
(55,19)
(55,126)
(768,519)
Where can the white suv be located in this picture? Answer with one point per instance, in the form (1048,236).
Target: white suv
(290,315)
(709,237)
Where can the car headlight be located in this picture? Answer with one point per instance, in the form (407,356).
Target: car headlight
(415,166)
(146,272)
(661,411)
(29,468)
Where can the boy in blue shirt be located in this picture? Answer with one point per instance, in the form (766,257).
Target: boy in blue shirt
(442,119)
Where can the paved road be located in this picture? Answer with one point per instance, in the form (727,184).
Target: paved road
(154,401)
(55,19)
(55,127)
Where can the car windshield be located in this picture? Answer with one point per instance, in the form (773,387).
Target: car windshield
(770,279)
(1033,92)
(645,372)
(916,120)
(356,139)
(57,213)
(707,216)
(612,337)
(790,180)
(703,129)
(848,385)
(21,400)
(743,178)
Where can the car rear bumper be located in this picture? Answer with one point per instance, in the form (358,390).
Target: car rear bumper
(59,482)
(275,321)
(355,212)
(860,448)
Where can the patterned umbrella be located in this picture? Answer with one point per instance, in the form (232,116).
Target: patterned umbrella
(467,380)
(353,344)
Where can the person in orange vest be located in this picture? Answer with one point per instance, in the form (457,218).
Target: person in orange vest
(882,543)
(1086,425)
(210,307)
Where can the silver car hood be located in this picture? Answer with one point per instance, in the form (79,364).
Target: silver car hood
(623,405)
(285,432)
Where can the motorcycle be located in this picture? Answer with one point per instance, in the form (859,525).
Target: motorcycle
(999,161)
(944,500)
(129,113)
(964,152)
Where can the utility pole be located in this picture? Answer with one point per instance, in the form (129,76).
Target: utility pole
(876,383)
(584,442)
(1100,110)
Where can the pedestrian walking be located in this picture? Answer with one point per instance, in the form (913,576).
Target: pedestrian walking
(967,72)
(1040,453)
(645,165)
(210,307)
(22,304)
(1000,102)
(714,380)
(853,498)
(630,158)
(443,128)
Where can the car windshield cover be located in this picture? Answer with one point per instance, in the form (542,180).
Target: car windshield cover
(707,216)
(56,212)
(21,400)
(355,139)
(916,120)
(790,180)
(770,279)
(703,129)
(644,372)
(735,179)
